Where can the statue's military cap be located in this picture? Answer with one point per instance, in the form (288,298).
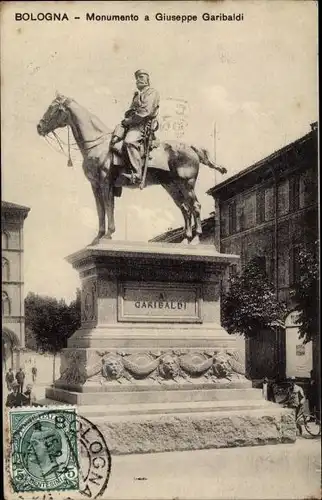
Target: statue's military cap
(141,72)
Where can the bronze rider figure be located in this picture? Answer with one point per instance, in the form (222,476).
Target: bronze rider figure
(144,108)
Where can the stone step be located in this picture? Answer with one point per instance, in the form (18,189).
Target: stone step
(148,433)
(165,396)
(157,408)
(207,413)
(166,408)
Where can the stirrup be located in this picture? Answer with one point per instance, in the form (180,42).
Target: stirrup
(134,178)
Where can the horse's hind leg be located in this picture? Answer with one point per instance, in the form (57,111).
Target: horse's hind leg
(196,210)
(194,207)
(176,195)
(100,207)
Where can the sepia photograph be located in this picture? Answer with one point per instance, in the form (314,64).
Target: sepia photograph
(160,250)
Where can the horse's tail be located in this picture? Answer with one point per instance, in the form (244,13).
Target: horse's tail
(203,156)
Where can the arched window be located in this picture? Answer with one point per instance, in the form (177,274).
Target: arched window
(6,304)
(5,269)
(4,240)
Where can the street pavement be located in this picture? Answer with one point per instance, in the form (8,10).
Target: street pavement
(287,471)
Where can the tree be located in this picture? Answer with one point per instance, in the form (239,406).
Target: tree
(49,322)
(251,305)
(306,294)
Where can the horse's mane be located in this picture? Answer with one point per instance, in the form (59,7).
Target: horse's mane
(99,125)
(95,121)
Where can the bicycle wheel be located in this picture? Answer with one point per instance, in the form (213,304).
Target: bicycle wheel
(312,425)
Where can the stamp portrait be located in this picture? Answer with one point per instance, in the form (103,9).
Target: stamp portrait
(44,452)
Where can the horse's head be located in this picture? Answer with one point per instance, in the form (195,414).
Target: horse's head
(56,116)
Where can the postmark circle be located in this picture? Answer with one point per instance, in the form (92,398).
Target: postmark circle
(95,458)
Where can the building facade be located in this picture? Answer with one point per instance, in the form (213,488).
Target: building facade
(270,210)
(13,323)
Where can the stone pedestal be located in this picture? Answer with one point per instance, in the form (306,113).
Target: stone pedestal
(151,363)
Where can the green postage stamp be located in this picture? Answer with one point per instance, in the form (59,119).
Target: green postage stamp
(43,449)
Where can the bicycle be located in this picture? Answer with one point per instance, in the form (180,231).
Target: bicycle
(311,423)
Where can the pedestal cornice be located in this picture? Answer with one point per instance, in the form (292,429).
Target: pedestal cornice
(167,252)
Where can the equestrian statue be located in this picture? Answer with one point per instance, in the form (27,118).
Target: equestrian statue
(124,158)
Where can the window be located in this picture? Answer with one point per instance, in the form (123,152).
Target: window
(308,188)
(5,269)
(4,240)
(295,192)
(295,263)
(260,206)
(269,202)
(242,219)
(232,217)
(6,305)
(283,195)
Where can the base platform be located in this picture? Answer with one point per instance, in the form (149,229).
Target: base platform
(160,427)
(151,364)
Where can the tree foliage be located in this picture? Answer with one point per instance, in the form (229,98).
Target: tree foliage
(306,293)
(251,305)
(49,322)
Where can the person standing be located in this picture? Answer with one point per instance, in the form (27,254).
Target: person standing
(267,390)
(295,399)
(34,373)
(30,398)
(312,395)
(20,377)
(14,398)
(9,379)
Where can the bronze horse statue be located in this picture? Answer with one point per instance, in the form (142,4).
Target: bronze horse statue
(177,174)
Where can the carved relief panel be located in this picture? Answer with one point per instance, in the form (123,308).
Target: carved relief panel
(89,302)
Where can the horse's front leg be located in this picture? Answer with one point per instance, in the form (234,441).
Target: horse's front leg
(187,223)
(109,204)
(100,207)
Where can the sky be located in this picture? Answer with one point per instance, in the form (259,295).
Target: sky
(255,80)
